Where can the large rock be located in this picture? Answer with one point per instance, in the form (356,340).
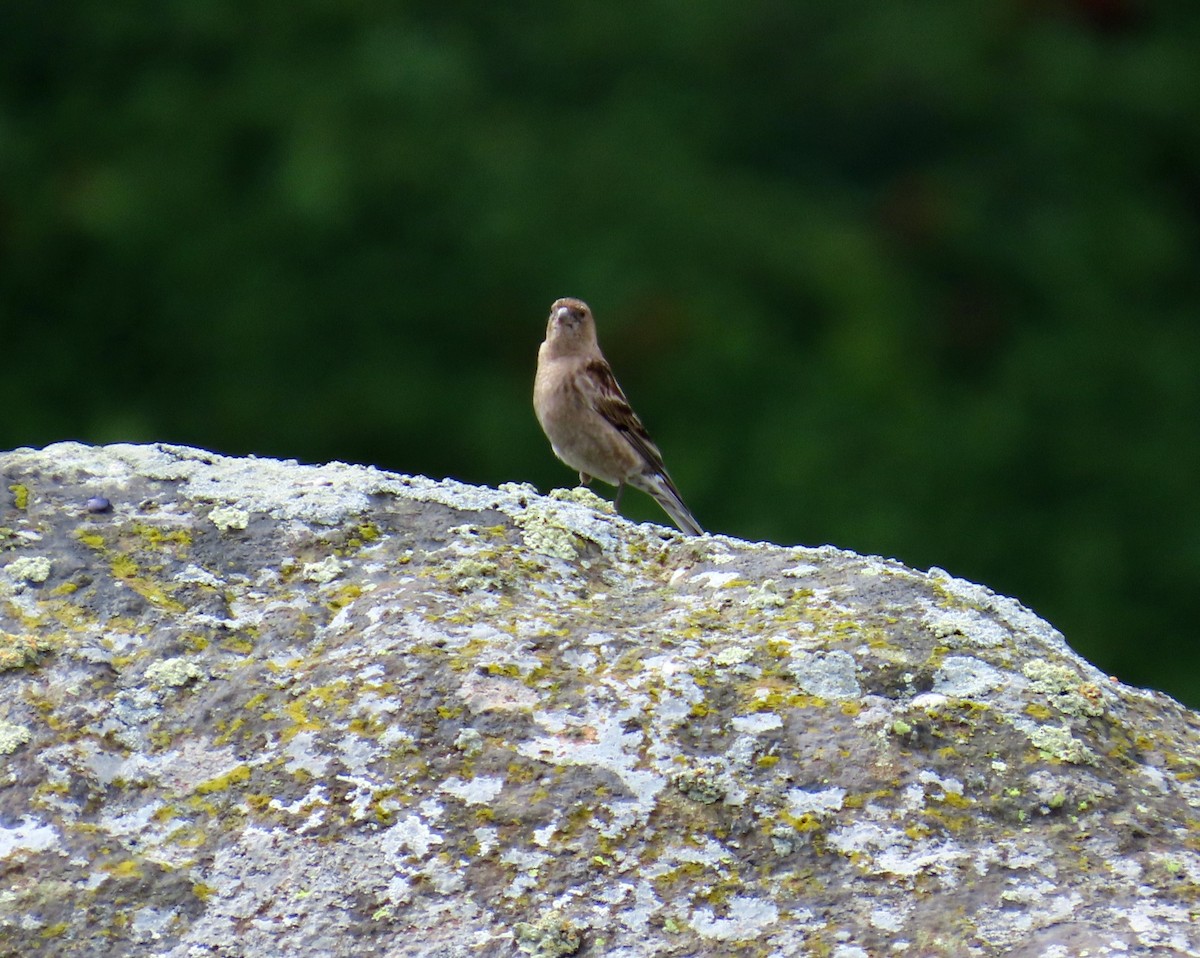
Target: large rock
(262,709)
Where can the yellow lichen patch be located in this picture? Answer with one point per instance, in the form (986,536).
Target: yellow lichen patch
(221,783)
(343,597)
(202,891)
(778,647)
(384,815)
(161,738)
(124,567)
(1037,711)
(93,540)
(20,494)
(193,836)
(668,880)
(301,722)
(777,700)
(67,614)
(239,642)
(55,930)
(367,727)
(227,730)
(802,823)
(126,869)
(164,813)
(258,802)
(157,537)
(467,658)
(950,823)
(519,773)
(361,535)
(860,799)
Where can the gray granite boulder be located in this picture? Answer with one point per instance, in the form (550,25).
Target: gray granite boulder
(255,708)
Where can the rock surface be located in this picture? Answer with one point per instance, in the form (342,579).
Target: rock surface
(255,708)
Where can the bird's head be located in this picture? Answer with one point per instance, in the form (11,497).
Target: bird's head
(571,328)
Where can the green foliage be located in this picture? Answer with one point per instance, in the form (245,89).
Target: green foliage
(912,278)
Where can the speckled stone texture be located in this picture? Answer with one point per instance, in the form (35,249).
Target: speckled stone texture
(259,709)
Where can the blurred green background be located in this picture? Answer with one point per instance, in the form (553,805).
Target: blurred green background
(918,279)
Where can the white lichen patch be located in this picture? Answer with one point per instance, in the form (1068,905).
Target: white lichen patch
(966,677)
(474,572)
(583,496)
(756,723)
(607,746)
(830,675)
(968,625)
(947,785)
(194,573)
(323,572)
(29,569)
(718,580)
(733,655)
(477,791)
(526,866)
(803,571)
(888,918)
(930,702)
(485,693)
(28,835)
(765,596)
(1059,742)
(12,737)
(410,834)
(745,918)
(891,851)
(802,801)
(135,822)
(174,672)
(1064,687)
(469,742)
(304,755)
(545,534)
(226,518)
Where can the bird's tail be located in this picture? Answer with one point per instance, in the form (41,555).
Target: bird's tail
(660,486)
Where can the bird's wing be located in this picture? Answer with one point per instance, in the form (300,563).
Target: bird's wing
(610,402)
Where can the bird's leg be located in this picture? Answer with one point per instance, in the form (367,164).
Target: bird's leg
(584,478)
(617,497)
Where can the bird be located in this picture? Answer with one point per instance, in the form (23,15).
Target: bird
(588,420)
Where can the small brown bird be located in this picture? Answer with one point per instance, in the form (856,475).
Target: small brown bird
(587,418)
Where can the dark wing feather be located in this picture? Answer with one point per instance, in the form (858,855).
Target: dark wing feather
(611,403)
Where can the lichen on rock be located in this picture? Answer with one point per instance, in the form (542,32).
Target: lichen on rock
(260,708)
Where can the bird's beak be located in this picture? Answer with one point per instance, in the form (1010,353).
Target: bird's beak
(560,315)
